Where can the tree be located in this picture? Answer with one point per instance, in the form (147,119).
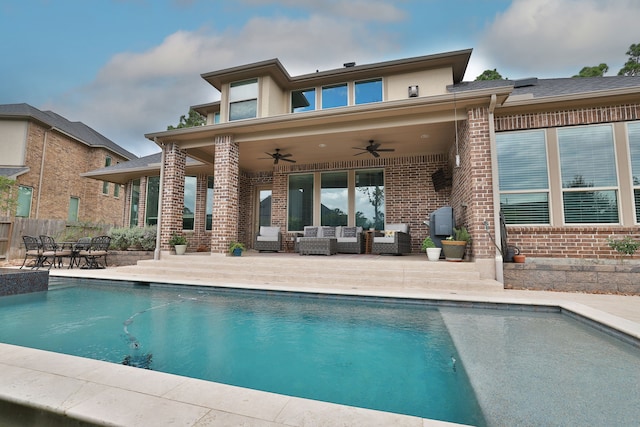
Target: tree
(596,71)
(192,120)
(489,75)
(632,66)
(8,196)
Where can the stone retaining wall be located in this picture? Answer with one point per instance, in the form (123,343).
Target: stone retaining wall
(570,275)
(120,258)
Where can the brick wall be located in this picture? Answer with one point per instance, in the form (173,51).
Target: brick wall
(226,194)
(64,160)
(172,194)
(567,241)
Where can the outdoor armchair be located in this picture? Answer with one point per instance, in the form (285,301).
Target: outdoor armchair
(396,240)
(269,239)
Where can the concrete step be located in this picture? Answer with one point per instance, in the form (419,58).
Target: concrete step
(291,269)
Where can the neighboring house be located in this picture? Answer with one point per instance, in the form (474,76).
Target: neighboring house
(559,157)
(45,153)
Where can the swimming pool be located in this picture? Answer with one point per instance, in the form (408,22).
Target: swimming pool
(323,348)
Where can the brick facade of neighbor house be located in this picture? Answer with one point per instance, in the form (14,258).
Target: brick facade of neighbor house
(57,178)
(570,241)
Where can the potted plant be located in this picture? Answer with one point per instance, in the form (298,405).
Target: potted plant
(455,245)
(236,248)
(433,252)
(179,242)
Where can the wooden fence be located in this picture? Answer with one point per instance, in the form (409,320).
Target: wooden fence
(15,228)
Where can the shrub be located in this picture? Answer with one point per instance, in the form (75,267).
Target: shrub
(134,235)
(148,239)
(428,243)
(119,238)
(625,246)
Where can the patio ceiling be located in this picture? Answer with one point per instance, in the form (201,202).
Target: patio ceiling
(411,127)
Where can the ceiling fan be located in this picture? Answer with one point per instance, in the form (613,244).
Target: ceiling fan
(277,156)
(373,148)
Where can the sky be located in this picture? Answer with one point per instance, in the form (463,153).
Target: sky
(130,67)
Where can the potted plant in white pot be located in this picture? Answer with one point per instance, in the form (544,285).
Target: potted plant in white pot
(433,252)
(455,245)
(179,242)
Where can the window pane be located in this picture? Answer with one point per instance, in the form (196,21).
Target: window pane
(334,205)
(588,207)
(300,201)
(241,91)
(116,190)
(216,118)
(587,157)
(522,161)
(264,216)
(105,187)
(303,100)
(153,187)
(527,208)
(74,202)
(370,199)
(634,147)
(209,219)
(24,201)
(243,110)
(135,203)
(334,96)
(189,210)
(107,161)
(369,91)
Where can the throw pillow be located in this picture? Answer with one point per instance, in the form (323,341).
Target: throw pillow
(311,232)
(349,232)
(389,233)
(328,232)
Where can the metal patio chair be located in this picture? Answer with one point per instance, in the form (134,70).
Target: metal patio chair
(33,250)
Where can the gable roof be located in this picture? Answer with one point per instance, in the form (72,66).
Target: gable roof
(76,130)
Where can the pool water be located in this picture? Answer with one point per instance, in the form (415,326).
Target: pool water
(390,357)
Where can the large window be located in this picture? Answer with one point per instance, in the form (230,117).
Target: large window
(135,203)
(368,91)
(153,191)
(370,199)
(337,198)
(589,175)
(523,177)
(188,214)
(334,96)
(243,100)
(74,204)
(300,201)
(633,130)
(209,208)
(303,100)
(334,199)
(25,195)
(105,184)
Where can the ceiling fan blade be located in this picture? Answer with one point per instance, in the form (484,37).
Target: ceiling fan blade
(359,148)
(282,156)
(363,152)
(386,149)
(375,154)
(373,146)
(288,160)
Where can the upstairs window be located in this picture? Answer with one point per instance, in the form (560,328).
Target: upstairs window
(25,195)
(303,100)
(334,96)
(368,91)
(243,100)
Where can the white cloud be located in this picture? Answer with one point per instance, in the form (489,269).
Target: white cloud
(547,38)
(142,92)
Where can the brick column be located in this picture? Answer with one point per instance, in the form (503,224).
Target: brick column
(225,194)
(172,194)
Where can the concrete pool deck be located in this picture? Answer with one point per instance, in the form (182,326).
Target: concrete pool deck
(101,393)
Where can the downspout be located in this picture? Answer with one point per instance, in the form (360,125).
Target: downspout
(156,253)
(496,188)
(44,151)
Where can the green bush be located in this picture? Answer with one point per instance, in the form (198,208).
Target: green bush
(119,238)
(625,246)
(134,235)
(148,238)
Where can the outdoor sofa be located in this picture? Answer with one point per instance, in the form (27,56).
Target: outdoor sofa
(349,240)
(268,239)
